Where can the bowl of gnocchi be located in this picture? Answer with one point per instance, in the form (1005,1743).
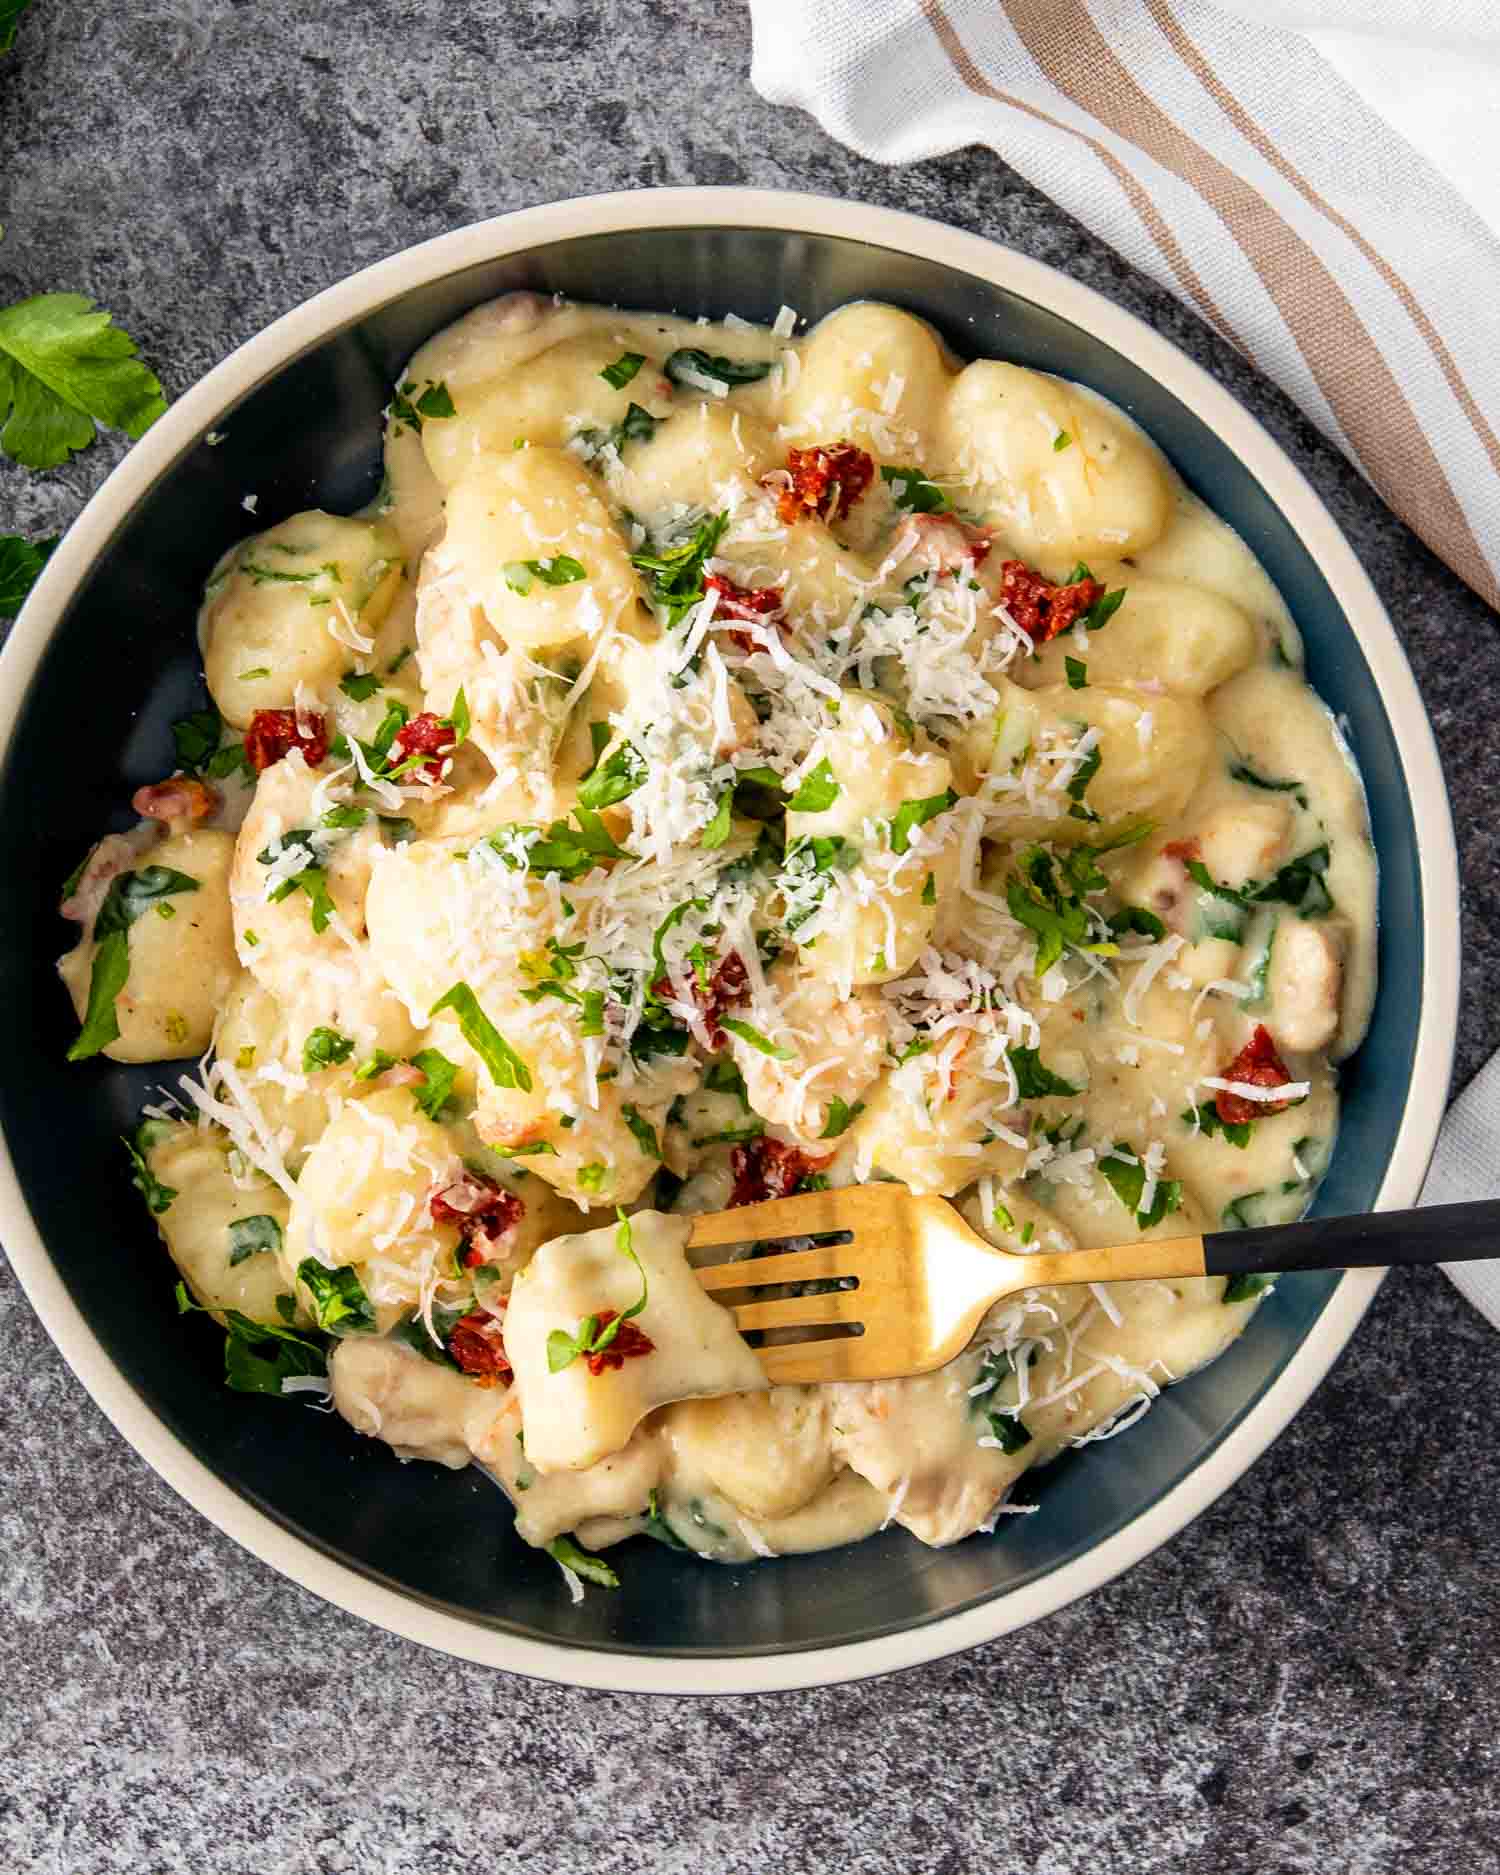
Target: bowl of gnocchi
(645,705)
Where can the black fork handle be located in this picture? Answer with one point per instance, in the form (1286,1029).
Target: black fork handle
(1435,1233)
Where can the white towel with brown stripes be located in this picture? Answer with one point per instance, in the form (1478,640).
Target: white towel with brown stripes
(1319,179)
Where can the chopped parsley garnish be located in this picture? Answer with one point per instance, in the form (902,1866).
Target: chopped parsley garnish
(340,1305)
(1078,786)
(411,407)
(432,1095)
(818,791)
(1135,920)
(248,1236)
(618,775)
(157,1195)
(582,1562)
(1033,1080)
(566,851)
(1104,607)
(912,490)
(1046,895)
(129,896)
(1252,778)
(359,686)
(561,570)
(1078,673)
(400,658)
(687,363)
(1204,1119)
(311,878)
(1127,1179)
(929,890)
(325,1048)
(1061,441)
(195,738)
(734,1135)
(345,818)
(506,1067)
(589,1338)
(676,573)
(723,1077)
(643,1132)
(841,1116)
(1300,883)
(911,814)
(624,368)
(1246,1285)
(747,1032)
(259,1356)
(719,828)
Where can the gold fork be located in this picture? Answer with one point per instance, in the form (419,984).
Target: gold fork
(919,1278)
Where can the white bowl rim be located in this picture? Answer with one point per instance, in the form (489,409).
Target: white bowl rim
(184,424)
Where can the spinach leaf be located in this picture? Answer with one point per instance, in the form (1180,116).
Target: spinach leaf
(506,1067)
(250,1235)
(130,895)
(339,1300)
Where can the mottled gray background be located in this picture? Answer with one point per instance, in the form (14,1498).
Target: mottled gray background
(1301,1682)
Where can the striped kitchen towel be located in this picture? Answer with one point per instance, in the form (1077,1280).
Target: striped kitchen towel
(1319,179)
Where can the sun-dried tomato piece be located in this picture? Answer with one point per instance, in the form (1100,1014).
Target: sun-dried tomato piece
(1041,609)
(769,1168)
(425,735)
(484,1212)
(826,481)
(725,990)
(629,1344)
(1256,1065)
(275,733)
(1184,849)
(746,602)
(180,799)
(477,1344)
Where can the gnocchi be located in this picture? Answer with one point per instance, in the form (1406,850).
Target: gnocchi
(723,763)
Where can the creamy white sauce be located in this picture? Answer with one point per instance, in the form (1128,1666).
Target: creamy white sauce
(901,1027)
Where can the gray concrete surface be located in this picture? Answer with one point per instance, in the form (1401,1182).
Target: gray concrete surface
(1302,1682)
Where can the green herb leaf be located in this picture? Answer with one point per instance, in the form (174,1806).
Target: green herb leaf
(441,1074)
(377,1064)
(195,739)
(259,1356)
(657,1527)
(21,561)
(506,1067)
(411,1332)
(1252,778)
(130,894)
(912,490)
(345,818)
(10,17)
(561,570)
(1103,610)
(1061,441)
(397,830)
(1127,1179)
(400,658)
(719,828)
(340,1304)
(158,1196)
(747,1033)
(619,374)
(726,371)
(818,792)
(911,814)
(643,1131)
(1078,673)
(1300,883)
(619,775)
(1009,1431)
(561,849)
(1136,920)
(359,686)
(65,367)
(676,573)
(411,407)
(1204,1118)
(584,1563)
(1248,1284)
(325,1048)
(248,1236)
(1033,1080)
(841,1116)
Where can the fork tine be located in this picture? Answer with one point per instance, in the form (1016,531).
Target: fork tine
(799,1311)
(807,1363)
(810,1214)
(796,1266)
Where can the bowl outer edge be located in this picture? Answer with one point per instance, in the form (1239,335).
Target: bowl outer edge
(349,300)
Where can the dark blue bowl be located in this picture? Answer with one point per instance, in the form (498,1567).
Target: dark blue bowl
(104,658)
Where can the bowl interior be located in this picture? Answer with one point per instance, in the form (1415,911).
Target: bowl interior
(123,664)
